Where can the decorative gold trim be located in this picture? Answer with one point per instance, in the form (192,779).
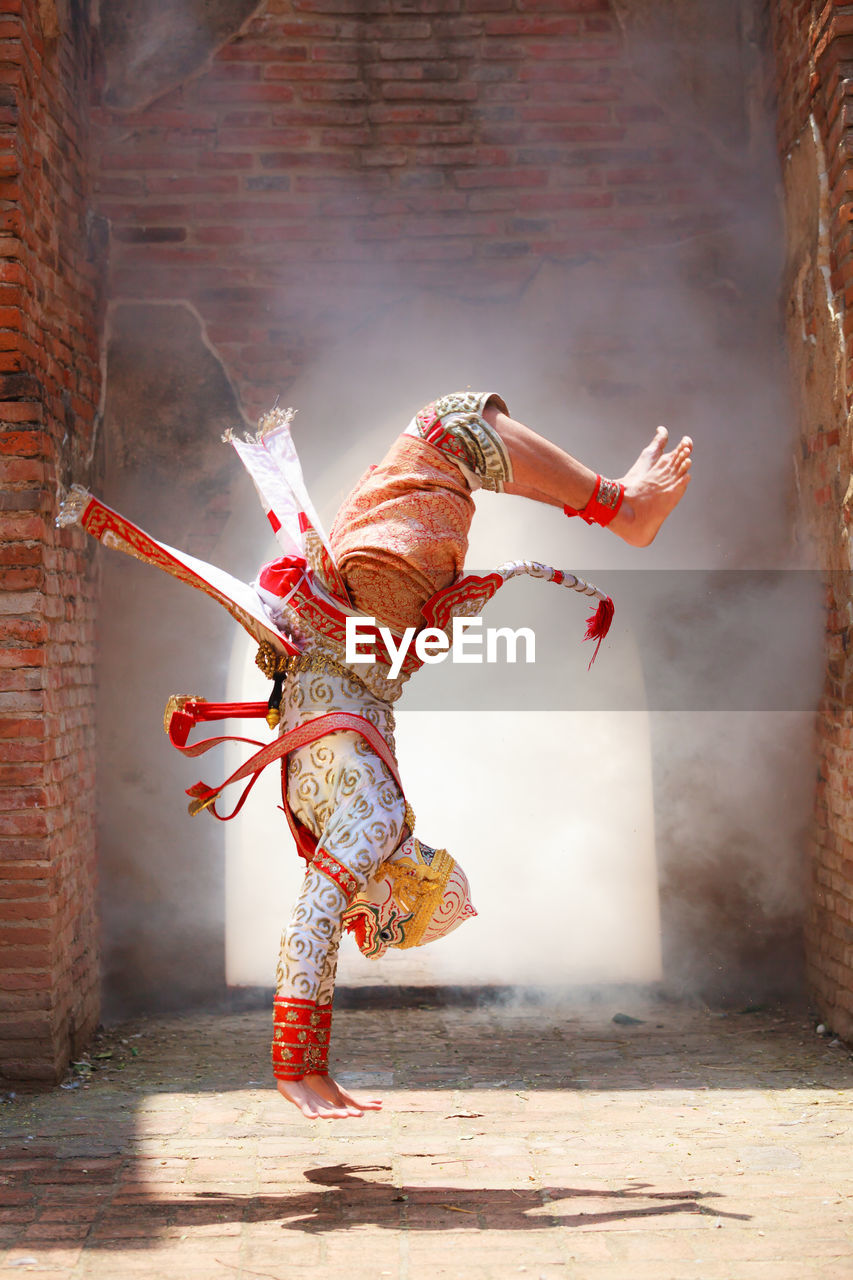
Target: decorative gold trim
(324,566)
(315,632)
(268,422)
(270,661)
(485,451)
(419,887)
(72,504)
(318,660)
(100,521)
(195,807)
(608,492)
(177,702)
(271,421)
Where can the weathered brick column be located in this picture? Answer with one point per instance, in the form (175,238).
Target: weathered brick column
(814,53)
(49,389)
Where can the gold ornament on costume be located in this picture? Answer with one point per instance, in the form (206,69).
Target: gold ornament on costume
(266,423)
(177,702)
(195,807)
(270,661)
(274,666)
(419,888)
(72,504)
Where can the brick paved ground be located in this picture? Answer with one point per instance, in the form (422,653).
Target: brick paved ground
(530,1142)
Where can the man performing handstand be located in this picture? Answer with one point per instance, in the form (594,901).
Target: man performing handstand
(398,539)
(395,554)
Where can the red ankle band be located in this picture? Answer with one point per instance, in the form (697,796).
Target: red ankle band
(603,505)
(301,1031)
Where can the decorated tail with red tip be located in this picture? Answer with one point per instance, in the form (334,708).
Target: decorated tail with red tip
(598,624)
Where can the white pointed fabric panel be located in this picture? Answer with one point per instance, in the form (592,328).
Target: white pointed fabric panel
(114,531)
(271,460)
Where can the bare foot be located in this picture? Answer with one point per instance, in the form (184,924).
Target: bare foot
(653,488)
(319,1097)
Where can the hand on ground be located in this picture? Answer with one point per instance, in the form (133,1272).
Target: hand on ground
(319,1097)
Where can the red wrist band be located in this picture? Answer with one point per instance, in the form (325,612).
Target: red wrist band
(603,505)
(301,1030)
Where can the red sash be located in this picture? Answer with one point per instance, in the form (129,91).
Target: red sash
(182,721)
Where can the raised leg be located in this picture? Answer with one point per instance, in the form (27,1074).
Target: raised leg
(654,485)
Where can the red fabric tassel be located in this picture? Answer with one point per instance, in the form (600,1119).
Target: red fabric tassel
(598,625)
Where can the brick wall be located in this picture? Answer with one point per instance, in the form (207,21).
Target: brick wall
(814,48)
(332,154)
(335,153)
(49,388)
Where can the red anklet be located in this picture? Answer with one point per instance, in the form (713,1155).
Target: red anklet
(603,505)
